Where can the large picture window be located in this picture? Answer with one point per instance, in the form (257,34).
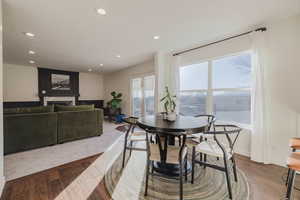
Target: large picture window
(221,87)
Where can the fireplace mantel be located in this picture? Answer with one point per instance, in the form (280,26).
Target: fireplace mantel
(47,99)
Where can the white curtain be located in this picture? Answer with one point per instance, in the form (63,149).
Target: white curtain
(174,79)
(260,139)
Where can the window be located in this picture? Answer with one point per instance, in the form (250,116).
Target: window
(136,96)
(221,87)
(149,90)
(142,96)
(192,103)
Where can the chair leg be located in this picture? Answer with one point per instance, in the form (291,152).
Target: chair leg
(289,173)
(124,152)
(228,178)
(131,143)
(180,180)
(185,168)
(152,167)
(234,169)
(193,165)
(205,159)
(290,185)
(147,178)
(287,177)
(201,158)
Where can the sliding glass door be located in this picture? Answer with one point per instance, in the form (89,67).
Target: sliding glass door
(142,95)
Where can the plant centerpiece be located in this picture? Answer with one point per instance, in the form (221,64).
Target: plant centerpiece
(115,103)
(169,105)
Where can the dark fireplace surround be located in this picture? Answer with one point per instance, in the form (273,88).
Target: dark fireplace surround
(64,103)
(45,86)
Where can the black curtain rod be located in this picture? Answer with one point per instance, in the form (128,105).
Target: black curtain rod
(262,29)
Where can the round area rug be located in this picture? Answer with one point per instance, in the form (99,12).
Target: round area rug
(209,184)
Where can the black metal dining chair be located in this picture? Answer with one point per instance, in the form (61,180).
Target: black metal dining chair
(194,139)
(294,145)
(215,148)
(166,154)
(293,163)
(132,137)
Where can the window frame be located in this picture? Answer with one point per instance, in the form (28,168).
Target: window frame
(142,77)
(210,90)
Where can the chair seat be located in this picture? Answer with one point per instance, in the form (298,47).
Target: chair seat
(138,133)
(293,161)
(194,139)
(196,135)
(295,143)
(212,148)
(138,136)
(192,142)
(172,153)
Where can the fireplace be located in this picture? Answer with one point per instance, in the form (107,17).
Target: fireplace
(64,103)
(59,100)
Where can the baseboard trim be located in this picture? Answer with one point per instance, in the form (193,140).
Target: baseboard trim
(2,184)
(243,152)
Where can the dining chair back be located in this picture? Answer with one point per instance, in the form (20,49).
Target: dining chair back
(132,136)
(166,153)
(294,144)
(220,149)
(210,120)
(293,163)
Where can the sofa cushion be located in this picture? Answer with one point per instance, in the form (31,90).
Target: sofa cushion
(79,124)
(25,110)
(60,108)
(29,131)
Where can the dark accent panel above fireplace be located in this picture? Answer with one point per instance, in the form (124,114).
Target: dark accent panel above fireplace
(57,83)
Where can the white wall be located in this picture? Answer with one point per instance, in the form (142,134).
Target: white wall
(91,86)
(283,88)
(282,82)
(120,82)
(2,179)
(21,84)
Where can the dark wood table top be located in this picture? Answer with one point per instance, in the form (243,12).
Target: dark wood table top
(182,125)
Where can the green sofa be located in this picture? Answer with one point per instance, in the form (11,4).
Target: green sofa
(30,128)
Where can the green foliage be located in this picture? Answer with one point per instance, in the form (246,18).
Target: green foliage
(169,101)
(116,100)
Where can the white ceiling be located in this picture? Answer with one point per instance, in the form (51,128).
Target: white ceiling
(71,35)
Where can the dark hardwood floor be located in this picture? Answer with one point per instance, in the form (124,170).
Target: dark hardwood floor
(47,185)
(265,182)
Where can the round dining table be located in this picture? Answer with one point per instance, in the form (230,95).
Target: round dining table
(183,125)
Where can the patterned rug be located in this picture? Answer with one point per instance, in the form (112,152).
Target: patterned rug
(122,128)
(209,184)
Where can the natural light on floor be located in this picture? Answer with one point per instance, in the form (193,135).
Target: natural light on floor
(83,186)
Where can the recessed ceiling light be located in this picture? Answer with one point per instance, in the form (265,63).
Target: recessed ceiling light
(29,34)
(101,11)
(156,37)
(90,70)
(118,56)
(101,64)
(31,52)
(31,62)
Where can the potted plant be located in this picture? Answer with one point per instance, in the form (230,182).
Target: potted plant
(114,105)
(169,105)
